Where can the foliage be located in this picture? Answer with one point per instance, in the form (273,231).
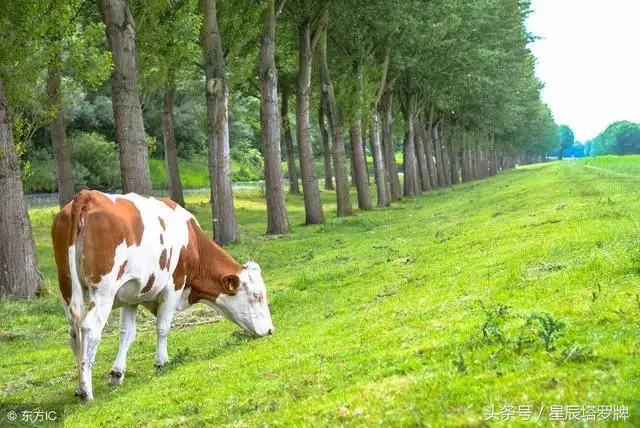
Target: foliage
(85,149)
(620,138)
(405,314)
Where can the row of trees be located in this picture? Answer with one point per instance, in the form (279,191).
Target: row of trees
(454,79)
(620,138)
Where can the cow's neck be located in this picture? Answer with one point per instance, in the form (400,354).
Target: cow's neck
(209,263)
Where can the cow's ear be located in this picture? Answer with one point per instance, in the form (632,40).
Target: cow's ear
(230,283)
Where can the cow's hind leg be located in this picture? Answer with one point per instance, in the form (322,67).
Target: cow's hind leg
(92,327)
(127,336)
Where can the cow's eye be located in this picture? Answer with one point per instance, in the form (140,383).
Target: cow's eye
(257,296)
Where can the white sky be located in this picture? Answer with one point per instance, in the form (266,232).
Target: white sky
(589,60)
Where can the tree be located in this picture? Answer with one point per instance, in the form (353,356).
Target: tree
(565,139)
(19,270)
(328,100)
(277,221)
(134,159)
(308,16)
(224,213)
(167,54)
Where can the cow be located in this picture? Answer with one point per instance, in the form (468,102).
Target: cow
(121,251)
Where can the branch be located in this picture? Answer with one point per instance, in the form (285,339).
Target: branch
(279,7)
(383,79)
(321,21)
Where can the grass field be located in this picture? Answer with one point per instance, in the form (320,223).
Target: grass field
(521,289)
(629,165)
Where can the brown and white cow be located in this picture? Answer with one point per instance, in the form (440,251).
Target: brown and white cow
(128,250)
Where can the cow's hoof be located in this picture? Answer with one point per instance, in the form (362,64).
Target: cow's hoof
(84,395)
(159,368)
(116,377)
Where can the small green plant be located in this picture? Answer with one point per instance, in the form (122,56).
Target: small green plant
(550,329)
(492,325)
(460,365)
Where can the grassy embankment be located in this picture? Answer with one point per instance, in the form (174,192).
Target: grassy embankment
(519,289)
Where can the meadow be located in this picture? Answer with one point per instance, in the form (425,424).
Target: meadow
(521,289)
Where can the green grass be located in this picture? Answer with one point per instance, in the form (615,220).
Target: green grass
(518,289)
(629,165)
(194,173)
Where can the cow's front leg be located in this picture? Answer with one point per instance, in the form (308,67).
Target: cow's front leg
(92,327)
(127,336)
(166,308)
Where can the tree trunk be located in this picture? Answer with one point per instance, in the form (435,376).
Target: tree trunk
(294,188)
(312,202)
(224,213)
(59,142)
(427,132)
(378,160)
(330,106)
(421,156)
(387,146)
(411,174)
(326,149)
(438,153)
(19,270)
(127,114)
(357,145)
(454,155)
(277,220)
(445,155)
(170,148)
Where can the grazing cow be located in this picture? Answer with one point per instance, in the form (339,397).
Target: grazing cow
(129,250)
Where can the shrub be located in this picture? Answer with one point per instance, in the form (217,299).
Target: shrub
(39,172)
(95,161)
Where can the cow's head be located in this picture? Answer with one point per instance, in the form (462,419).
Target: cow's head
(245,300)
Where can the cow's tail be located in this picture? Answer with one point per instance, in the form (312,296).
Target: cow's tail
(76,304)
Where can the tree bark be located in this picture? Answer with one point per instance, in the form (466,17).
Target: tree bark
(421,156)
(411,174)
(19,270)
(378,160)
(445,155)
(427,131)
(387,146)
(312,202)
(294,188)
(438,153)
(127,114)
(332,110)
(170,147)
(357,145)
(454,154)
(59,141)
(224,213)
(326,149)
(277,220)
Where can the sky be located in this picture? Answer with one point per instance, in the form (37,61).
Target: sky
(589,60)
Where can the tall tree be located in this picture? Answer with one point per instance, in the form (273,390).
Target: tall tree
(387,144)
(326,148)
(59,141)
(565,139)
(357,143)
(19,270)
(328,99)
(294,187)
(277,220)
(309,17)
(134,159)
(224,212)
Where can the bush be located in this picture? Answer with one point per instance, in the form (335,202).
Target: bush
(95,161)
(39,172)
